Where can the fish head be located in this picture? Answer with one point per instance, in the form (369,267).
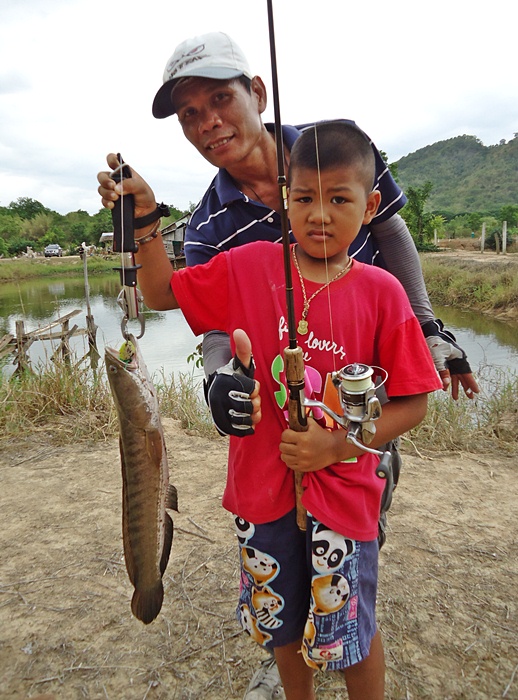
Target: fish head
(131,385)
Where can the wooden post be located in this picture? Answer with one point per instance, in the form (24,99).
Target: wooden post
(483,237)
(504,237)
(65,346)
(497,243)
(90,323)
(435,237)
(22,357)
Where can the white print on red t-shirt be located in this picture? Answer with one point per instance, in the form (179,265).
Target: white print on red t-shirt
(313,343)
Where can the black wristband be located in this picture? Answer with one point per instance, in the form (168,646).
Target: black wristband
(161,210)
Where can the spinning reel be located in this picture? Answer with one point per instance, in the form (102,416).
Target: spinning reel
(361,407)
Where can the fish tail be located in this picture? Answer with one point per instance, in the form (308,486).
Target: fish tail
(147,603)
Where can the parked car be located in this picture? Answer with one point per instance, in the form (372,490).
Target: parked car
(53,250)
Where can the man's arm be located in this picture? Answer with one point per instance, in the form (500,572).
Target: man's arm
(154,276)
(397,247)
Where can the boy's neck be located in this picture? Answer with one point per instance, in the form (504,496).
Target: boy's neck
(318,269)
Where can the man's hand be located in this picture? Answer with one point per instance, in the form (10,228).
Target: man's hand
(450,360)
(110,190)
(232,393)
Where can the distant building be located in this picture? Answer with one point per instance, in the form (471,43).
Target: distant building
(173,236)
(106,239)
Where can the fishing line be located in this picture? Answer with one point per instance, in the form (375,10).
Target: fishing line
(329,305)
(123,275)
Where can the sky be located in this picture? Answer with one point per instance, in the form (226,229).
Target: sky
(78,78)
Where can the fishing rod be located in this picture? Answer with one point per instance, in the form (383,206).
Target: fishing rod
(356,390)
(123,216)
(293,357)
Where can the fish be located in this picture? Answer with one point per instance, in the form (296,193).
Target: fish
(147,527)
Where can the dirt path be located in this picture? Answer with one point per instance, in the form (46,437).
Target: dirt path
(447,604)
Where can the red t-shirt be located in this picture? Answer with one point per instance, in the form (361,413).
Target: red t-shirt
(371,322)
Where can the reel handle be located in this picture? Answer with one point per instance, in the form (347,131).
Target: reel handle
(383,470)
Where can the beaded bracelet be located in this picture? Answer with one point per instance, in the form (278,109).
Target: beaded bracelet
(149,236)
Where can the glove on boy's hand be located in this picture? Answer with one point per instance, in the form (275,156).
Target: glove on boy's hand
(227,392)
(445,351)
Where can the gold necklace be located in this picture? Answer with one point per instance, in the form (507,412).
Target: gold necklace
(303,327)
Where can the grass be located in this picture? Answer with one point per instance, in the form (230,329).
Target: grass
(13,270)
(74,403)
(470,284)
(488,422)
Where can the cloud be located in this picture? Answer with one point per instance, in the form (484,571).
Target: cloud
(79,77)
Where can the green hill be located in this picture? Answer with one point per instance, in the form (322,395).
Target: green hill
(466,175)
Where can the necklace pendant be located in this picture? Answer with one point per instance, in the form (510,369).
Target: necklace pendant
(302,328)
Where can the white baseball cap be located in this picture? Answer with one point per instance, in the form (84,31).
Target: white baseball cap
(214,55)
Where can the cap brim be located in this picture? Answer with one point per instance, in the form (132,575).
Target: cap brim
(162,104)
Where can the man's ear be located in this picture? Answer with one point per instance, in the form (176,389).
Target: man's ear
(259,90)
(371,208)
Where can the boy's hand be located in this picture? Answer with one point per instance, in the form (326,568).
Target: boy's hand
(311,450)
(233,394)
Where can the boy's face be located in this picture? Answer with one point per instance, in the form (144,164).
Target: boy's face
(221,118)
(327,212)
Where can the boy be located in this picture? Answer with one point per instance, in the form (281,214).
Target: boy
(348,312)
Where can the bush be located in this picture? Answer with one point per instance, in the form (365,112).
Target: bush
(491,239)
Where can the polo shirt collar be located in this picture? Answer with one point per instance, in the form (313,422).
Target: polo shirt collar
(225,186)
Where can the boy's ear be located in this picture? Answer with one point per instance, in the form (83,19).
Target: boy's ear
(373,202)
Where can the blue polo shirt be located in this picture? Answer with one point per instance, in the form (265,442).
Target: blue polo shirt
(226,217)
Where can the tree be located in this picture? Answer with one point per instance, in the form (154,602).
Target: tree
(101,223)
(28,208)
(10,224)
(393,167)
(419,222)
(37,227)
(509,213)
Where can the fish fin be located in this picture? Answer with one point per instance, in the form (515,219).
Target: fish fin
(171,500)
(146,604)
(168,541)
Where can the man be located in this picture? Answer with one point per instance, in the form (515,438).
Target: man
(219,102)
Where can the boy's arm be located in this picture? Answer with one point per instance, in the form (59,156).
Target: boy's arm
(318,448)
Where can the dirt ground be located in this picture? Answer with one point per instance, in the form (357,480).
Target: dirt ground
(447,596)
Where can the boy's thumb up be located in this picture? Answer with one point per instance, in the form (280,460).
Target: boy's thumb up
(243,347)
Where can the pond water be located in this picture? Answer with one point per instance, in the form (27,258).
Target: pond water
(486,340)
(168,341)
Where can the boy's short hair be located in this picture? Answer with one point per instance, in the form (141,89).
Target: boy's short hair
(334,144)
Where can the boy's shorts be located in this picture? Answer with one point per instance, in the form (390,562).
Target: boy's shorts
(316,585)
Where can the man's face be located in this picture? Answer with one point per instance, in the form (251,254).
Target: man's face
(220,118)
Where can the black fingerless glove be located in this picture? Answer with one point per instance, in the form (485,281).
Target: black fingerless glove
(227,392)
(445,351)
